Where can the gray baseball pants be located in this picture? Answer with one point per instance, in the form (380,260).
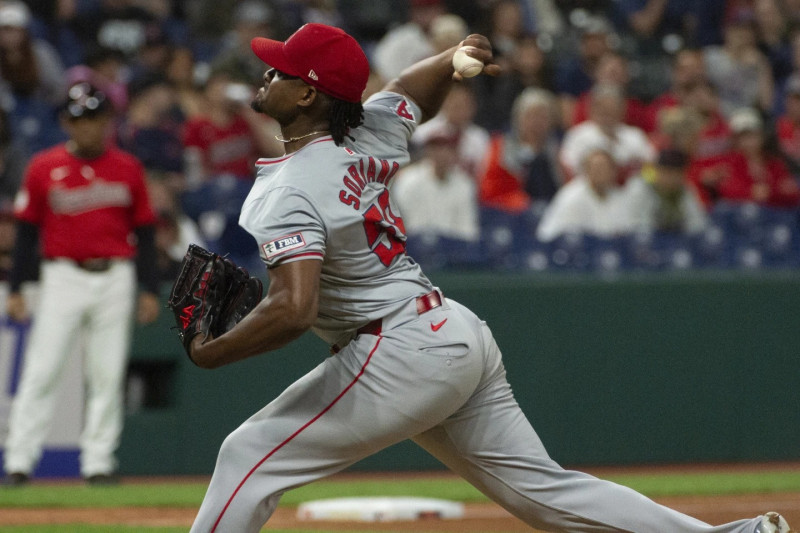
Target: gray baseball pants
(443,387)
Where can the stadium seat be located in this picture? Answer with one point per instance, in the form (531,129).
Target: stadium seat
(503,238)
(610,255)
(712,248)
(424,249)
(661,251)
(462,254)
(572,252)
(759,236)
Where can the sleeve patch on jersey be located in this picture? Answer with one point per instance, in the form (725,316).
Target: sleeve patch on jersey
(404,110)
(284,244)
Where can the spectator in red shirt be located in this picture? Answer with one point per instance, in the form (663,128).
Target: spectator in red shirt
(750,172)
(715,135)
(688,68)
(612,69)
(229,137)
(629,145)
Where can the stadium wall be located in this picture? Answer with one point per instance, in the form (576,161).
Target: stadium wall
(637,369)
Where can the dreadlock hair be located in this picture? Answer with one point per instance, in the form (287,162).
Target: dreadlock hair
(343,116)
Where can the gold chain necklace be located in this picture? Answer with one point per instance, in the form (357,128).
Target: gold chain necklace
(293,139)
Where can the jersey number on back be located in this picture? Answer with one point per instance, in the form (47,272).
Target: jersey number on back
(379,221)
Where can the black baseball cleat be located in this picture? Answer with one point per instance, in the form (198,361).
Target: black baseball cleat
(16,479)
(102,480)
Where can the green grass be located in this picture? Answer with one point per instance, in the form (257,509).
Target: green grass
(85,528)
(709,483)
(190,494)
(124,495)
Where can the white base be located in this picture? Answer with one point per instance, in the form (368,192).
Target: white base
(383,509)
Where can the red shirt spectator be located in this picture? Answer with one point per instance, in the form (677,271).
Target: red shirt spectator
(748,173)
(629,145)
(788,132)
(635,114)
(612,69)
(226,148)
(499,187)
(228,137)
(688,68)
(715,136)
(766,182)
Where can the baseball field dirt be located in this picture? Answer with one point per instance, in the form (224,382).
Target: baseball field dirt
(479,517)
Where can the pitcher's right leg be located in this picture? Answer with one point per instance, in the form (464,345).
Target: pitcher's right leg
(377,391)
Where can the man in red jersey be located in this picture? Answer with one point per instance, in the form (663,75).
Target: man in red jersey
(87,202)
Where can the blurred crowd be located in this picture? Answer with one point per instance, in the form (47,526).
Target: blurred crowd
(651,133)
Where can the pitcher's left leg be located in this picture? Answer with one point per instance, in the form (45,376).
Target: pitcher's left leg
(493,446)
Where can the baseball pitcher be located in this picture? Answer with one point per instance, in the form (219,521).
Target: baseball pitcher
(406,362)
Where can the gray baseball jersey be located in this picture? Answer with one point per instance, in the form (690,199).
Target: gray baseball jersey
(347,220)
(431,372)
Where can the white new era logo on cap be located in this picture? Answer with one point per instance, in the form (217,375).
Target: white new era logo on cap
(313,75)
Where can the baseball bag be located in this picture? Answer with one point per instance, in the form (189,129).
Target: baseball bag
(210,295)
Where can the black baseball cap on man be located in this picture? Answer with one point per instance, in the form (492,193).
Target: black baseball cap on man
(85,101)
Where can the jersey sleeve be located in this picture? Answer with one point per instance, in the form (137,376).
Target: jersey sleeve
(287,228)
(30,203)
(143,214)
(389,121)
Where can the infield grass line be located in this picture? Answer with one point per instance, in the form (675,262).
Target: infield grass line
(189,494)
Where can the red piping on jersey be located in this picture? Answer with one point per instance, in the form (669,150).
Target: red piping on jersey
(282,260)
(296,433)
(268,161)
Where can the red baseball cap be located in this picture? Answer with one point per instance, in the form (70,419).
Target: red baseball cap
(322,56)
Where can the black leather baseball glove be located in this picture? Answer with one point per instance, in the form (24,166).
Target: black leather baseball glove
(210,295)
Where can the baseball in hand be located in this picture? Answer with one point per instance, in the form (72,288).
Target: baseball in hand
(465,65)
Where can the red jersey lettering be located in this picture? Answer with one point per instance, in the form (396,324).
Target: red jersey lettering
(403,111)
